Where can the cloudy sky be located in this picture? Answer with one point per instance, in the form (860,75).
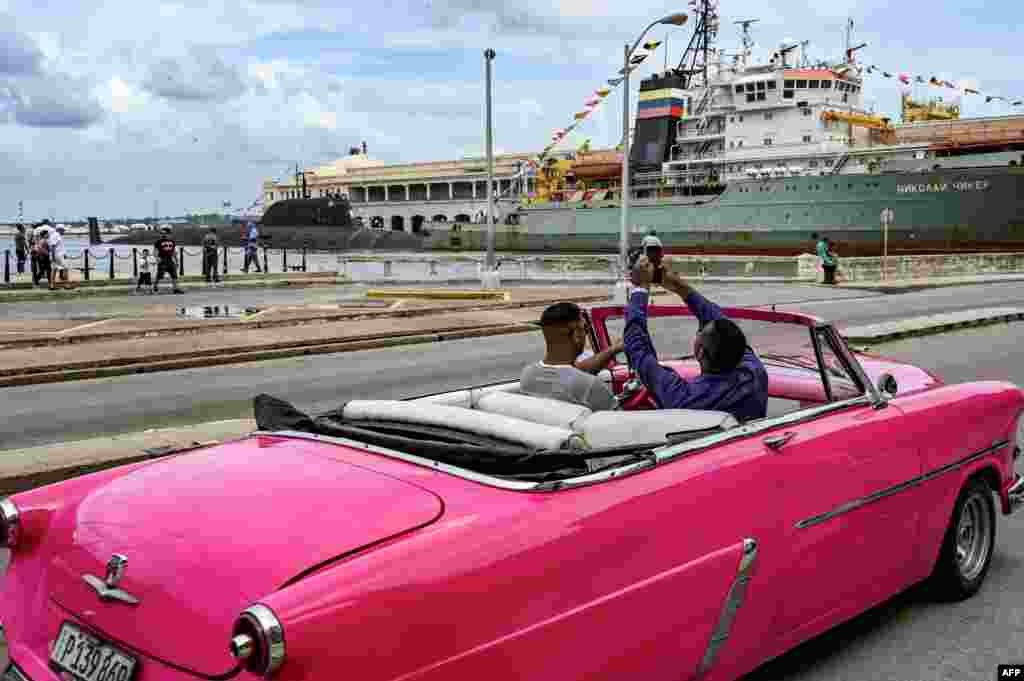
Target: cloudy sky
(108,106)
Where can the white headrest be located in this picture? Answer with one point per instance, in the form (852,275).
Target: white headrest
(618,428)
(535,435)
(543,410)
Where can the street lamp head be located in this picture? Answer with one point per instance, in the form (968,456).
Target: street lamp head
(489,53)
(677,19)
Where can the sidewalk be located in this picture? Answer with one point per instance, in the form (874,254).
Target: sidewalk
(21,288)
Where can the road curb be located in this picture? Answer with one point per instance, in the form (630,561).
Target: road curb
(111,368)
(859,334)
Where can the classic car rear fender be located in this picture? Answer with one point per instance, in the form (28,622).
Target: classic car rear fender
(45,513)
(963,430)
(362,630)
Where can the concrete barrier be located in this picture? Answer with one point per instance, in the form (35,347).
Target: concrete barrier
(930,266)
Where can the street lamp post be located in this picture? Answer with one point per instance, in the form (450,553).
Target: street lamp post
(489,55)
(677,19)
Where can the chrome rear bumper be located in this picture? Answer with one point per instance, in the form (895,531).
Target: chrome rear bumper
(1015,493)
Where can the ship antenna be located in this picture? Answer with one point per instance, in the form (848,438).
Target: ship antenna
(748,42)
(804,61)
(695,59)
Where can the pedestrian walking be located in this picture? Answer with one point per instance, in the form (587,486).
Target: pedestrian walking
(166,250)
(210,245)
(252,249)
(20,248)
(146,263)
(41,249)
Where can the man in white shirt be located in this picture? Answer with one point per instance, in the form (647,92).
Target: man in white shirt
(57,254)
(556,376)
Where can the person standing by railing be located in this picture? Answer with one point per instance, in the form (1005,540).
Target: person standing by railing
(210,246)
(20,248)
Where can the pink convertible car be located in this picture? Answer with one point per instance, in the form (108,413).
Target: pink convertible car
(487,534)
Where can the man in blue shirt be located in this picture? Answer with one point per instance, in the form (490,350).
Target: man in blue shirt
(732,378)
(252,255)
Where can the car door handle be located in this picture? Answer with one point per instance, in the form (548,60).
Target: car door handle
(776,441)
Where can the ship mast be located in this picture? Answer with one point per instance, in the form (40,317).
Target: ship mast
(694,64)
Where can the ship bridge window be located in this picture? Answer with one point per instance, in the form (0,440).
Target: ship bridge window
(787,94)
(807,138)
(739,88)
(801,84)
(789,83)
(813,84)
(826,84)
(772,84)
(760,85)
(750,87)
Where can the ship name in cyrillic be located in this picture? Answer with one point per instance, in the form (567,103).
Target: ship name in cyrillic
(969,186)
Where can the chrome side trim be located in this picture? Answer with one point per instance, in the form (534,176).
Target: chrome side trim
(663,455)
(731,605)
(897,488)
(753,428)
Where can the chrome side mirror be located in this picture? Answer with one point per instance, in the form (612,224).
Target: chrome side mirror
(887,384)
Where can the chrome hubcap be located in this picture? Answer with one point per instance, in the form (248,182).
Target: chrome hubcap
(973,538)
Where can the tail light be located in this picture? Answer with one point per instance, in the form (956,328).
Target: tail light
(257,641)
(10,523)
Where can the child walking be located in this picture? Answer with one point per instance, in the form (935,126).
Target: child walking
(145,273)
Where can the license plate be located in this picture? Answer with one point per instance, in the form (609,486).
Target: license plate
(87,658)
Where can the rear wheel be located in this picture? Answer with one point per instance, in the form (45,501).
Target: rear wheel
(970,539)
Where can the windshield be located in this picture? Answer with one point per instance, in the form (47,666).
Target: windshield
(784,348)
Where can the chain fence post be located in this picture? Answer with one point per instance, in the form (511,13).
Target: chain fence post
(135,263)
(7,266)
(284,259)
(111,255)
(304,259)
(181,261)
(266,268)
(86,268)
(225,248)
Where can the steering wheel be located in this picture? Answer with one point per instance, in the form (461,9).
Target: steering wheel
(642,399)
(635,395)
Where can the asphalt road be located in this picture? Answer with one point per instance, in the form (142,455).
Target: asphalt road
(39,414)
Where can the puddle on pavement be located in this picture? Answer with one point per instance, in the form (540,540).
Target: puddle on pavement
(217,312)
